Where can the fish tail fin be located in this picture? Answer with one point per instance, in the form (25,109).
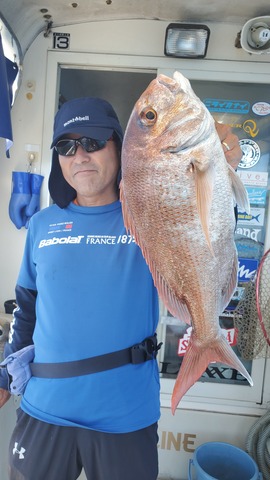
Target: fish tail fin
(197,359)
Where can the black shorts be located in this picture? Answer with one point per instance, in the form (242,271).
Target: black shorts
(41,451)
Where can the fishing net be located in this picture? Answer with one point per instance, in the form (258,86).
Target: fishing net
(252,314)
(263,295)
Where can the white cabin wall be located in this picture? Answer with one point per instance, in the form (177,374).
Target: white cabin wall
(126,37)
(27,122)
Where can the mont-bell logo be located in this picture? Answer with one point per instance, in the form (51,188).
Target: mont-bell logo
(77,119)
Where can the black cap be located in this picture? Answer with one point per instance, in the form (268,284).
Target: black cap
(89,117)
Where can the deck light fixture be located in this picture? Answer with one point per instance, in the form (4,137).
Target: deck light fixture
(186,40)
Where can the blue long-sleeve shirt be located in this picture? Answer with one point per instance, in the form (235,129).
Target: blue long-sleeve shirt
(95,295)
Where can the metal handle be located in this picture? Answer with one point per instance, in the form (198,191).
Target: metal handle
(189,469)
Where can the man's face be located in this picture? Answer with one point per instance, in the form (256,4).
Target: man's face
(93,175)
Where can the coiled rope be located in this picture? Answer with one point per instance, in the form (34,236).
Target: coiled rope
(258,444)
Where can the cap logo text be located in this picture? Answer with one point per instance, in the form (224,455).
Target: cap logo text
(77,119)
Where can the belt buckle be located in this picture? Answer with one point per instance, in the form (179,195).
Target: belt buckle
(144,351)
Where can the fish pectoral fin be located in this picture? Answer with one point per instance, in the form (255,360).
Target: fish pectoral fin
(204,181)
(196,361)
(239,191)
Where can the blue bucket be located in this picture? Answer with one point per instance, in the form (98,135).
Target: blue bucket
(222,461)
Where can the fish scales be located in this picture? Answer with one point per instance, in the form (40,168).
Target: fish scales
(178,195)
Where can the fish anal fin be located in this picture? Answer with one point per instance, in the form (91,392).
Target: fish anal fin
(197,359)
(175,305)
(228,293)
(204,182)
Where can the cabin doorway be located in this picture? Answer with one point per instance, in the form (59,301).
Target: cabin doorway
(121,88)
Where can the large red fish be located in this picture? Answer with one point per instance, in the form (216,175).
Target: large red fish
(178,195)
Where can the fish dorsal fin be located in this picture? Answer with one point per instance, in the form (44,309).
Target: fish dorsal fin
(239,191)
(228,292)
(204,192)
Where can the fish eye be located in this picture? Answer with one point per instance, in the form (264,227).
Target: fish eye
(148,116)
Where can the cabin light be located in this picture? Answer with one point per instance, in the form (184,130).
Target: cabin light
(186,40)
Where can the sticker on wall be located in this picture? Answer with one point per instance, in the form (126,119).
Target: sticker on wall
(229,333)
(255,217)
(255,179)
(238,294)
(251,153)
(261,108)
(255,234)
(257,196)
(246,269)
(250,127)
(248,248)
(226,106)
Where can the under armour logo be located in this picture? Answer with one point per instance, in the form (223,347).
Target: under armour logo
(20,452)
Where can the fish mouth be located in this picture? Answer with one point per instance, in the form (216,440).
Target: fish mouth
(169,83)
(176,84)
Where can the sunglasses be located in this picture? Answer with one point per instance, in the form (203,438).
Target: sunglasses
(68,146)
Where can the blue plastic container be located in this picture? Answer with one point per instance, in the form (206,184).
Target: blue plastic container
(222,461)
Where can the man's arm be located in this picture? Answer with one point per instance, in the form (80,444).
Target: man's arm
(4,396)
(21,332)
(230,144)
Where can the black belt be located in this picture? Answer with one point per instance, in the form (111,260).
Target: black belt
(139,353)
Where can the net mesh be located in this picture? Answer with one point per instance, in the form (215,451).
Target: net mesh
(252,314)
(263,295)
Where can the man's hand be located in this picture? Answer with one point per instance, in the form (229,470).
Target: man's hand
(230,144)
(4,397)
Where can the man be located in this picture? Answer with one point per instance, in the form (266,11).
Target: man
(84,290)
